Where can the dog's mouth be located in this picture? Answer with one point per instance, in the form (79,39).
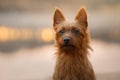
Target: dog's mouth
(68,46)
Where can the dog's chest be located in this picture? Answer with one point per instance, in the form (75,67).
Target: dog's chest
(70,70)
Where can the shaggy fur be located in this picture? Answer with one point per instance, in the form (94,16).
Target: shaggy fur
(72,42)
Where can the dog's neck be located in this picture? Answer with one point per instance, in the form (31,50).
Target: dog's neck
(77,54)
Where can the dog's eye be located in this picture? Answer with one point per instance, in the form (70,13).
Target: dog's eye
(61,31)
(75,31)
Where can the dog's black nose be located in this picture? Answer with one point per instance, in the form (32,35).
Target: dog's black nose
(66,39)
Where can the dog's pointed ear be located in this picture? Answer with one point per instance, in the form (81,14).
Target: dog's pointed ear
(58,17)
(81,17)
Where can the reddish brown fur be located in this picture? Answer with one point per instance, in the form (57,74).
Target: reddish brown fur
(72,61)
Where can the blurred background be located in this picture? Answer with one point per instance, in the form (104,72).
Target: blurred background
(27,40)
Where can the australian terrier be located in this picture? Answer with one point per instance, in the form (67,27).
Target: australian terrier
(72,42)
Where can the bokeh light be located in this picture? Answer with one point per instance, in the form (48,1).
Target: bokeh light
(47,35)
(4,34)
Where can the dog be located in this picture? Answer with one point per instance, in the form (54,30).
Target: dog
(72,42)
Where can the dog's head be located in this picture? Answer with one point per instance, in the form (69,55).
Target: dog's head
(70,35)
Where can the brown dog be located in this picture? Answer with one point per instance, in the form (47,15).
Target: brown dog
(72,41)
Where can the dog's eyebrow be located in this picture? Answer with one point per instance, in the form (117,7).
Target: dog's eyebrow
(73,27)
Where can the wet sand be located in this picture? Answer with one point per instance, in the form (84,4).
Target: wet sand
(38,63)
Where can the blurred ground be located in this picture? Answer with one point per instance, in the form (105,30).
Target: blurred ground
(38,64)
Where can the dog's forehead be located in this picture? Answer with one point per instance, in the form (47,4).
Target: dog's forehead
(69,25)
